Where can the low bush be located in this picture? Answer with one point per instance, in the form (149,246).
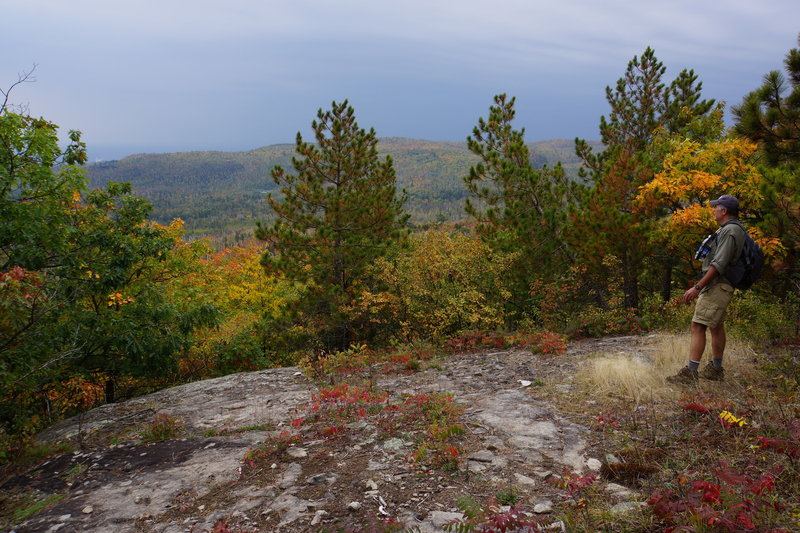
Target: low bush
(163,427)
(761,317)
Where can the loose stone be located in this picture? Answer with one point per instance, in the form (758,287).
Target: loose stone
(594,464)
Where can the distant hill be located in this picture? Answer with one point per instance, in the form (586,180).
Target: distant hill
(225,191)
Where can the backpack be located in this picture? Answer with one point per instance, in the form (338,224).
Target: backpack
(747,269)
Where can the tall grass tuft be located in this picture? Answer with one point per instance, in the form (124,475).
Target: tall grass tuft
(642,376)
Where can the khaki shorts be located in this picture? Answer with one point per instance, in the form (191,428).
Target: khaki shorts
(711,304)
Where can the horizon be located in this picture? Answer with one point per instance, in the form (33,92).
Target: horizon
(122,150)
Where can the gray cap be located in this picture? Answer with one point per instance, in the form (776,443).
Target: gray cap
(727,201)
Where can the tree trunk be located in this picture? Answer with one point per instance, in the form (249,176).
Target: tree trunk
(110,389)
(666,280)
(630,284)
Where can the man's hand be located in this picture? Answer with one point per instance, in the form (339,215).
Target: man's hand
(690,295)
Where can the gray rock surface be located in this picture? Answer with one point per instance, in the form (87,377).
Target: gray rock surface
(176,485)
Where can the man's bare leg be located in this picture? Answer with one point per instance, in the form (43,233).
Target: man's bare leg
(718,341)
(697,342)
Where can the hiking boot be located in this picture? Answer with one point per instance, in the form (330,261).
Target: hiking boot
(712,372)
(684,377)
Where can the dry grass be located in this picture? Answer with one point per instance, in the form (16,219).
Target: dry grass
(642,376)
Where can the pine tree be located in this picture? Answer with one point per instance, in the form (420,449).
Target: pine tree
(770,115)
(607,225)
(335,216)
(518,208)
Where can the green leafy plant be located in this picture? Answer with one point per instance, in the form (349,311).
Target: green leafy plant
(163,427)
(33,503)
(507,496)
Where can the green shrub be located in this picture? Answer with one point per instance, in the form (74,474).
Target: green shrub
(673,316)
(595,322)
(762,317)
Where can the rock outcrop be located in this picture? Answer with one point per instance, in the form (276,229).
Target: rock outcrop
(515,442)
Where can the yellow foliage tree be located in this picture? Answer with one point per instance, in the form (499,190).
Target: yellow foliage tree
(237,284)
(446,283)
(692,175)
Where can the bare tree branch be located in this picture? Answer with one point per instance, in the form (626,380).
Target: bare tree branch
(23,77)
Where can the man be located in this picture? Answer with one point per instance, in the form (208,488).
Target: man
(713,292)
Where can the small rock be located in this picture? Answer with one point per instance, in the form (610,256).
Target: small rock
(483,456)
(297,453)
(543,507)
(475,466)
(440,518)
(87,510)
(525,383)
(318,517)
(524,480)
(354,506)
(493,443)
(371,485)
(321,478)
(201,507)
(620,492)
(393,444)
(499,463)
(558,525)
(594,464)
(625,507)
(376,465)
(611,459)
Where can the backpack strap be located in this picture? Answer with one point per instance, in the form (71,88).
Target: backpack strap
(735,221)
(742,255)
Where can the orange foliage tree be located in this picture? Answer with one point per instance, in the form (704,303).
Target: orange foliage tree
(248,299)
(692,174)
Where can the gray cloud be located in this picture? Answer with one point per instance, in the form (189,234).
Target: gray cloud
(168,74)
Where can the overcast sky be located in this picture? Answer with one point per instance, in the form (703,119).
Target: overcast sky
(169,75)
